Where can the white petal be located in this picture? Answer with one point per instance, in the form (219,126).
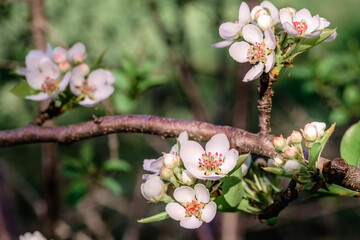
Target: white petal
(190,152)
(285,16)
(153,165)
(32,59)
(77,77)
(103,92)
(246,165)
(183,137)
(290,29)
(274,12)
(213,177)
(143,192)
(49,68)
(270,41)
(323,23)
(56,52)
(244,14)
(202,193)
(230,161)
(110,78)
(302,15)
(190,222)
(65,81)
(229,30)
(175,211)
(222,44)
(238,51)
(208,212)
(48,51)
(252,34)
(184,194)
(97,77)
(38,97)
(218,143)
(255,72)
(78,48)
(35,79)
(87,102)
(21,70)
(313,24)
(270,62)
(332,37)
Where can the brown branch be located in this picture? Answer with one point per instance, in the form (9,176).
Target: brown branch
(264,103)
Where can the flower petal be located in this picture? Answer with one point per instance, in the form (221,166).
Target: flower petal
(254,72)
(35,79)
(184,194)
(38,97)
(87,102)
(230,161)
(103,92)
(208,212)
(270,41)
(246,165)
(274,12)
(65,81)
(252,34)
(202,193)
(190,222)
(175,211)
(323,23)
(302,15)
(218,143)
(229,30)
(331,38)
(78,48)
(183,137)
(110,78)
(222,44)
(153,165)
(270,62)
(239,50)
(313,24)
(285,16)
(290,29)
(32,59)
(244,14)
(190,152)
(97,77)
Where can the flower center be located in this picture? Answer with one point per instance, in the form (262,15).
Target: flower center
(256,53)
(49,85)
(193,208)
(300,26)
(210,163)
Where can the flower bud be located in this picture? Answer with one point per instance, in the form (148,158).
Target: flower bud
(279,143)
(78,58)
(290,10)
(295,137)
(291,153)
(292,166)
(320,127)
(256,12)
(85,68)
(153,188)
(264,22)
(260,162)
(271,162)
(187,178)
(278,161)
(310,132)
(64,66)
(171,161)
(60,57)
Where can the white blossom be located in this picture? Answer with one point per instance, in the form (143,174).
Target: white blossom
(291,166)
(153,189)
(192,207)
(212,163)
(259,52)
(32,236)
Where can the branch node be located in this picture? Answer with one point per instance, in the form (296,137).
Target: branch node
(97,120)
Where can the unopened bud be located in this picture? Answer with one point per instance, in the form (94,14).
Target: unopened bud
(167,174)
(310,132)
(320,127)
(264,22)
(78,58)
(278,161)
(271,162)
(60,57)
(85,68)
(291,153)
(256,12)
(260,162)
(292,166)
(153,188)
(187,178)
(64,66)
(279,143)
(295,137)
(171,161)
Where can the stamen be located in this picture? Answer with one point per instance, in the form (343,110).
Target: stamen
(301,26)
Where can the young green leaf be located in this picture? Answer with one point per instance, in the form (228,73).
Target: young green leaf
(116,165)
(350,145)
(155,218)
(77,191)
(223,205)
(23,89)
(112,185)
(312,42)
(98,61)
(232,188)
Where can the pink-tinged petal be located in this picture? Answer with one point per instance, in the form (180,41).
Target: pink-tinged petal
(103,93)
(313,24)
(38,97)
(246,165)
(208,212)
(274,12)
(285,16)
(222,44)
(244,14)
(175,211)
(239,50)
(218,143)
(190,152)
(202,193)
(49,68)
(87,102)
(65,81)
(78,48)
(229,30)
(97,77)
(184,194)
(190,222)
(252,34)
(59,54)
(32,59)
(290,29)
(270,62)
(110,78)
(77,77)
(331,38)
(270,41)
(35,79)
(230,161)
(323,23)
(255,72)
(302,15)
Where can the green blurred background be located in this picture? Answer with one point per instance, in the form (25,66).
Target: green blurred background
(160,52)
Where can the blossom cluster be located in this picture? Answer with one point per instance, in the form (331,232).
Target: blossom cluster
(187,168)
(271,37)
(51,72)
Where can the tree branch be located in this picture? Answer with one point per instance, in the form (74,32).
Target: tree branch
(264,103)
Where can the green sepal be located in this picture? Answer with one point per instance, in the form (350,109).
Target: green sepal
(23,89)
(155,218)
(312,42)
(275,170)
(350,145)
(98,61)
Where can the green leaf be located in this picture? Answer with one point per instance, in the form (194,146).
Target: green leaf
(272,221)
(311,42)
(116,165)
(232,188)
(275,170)
(242,158)
(112,185)
(86,152)
(23,89)
(98,61)
(158,217)
(223,205)
(350,145)
(76,192)
(334,191)
(246,207)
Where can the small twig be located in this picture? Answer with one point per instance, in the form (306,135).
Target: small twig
(265,103)
(51,112)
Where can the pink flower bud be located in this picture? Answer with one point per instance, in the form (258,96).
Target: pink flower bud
(310,132)
(64,66)
(60,57)
(78,58)
(291,153)
(85,68)
(295,137)
(320,127)
(279,143)
(256,12)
